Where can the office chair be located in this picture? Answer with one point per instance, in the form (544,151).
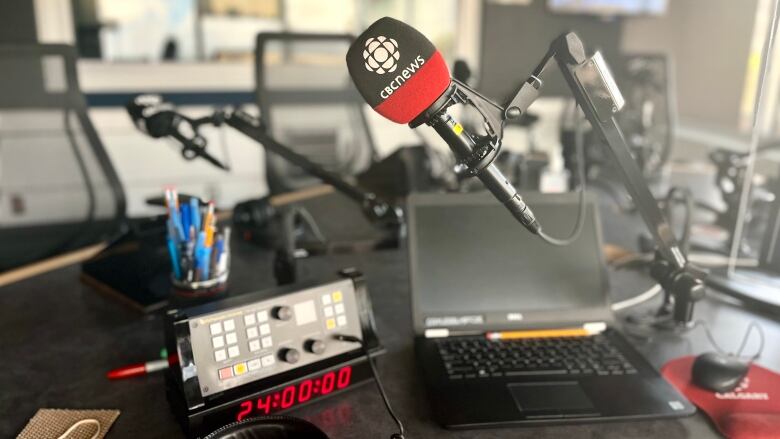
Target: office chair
(308,102)
(58,190)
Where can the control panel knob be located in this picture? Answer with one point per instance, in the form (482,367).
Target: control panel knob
(314,346)
(289,355)
(282,312)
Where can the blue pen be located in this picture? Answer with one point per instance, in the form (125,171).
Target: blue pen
(174,258)
(195,212)
(206,263)
(186,218)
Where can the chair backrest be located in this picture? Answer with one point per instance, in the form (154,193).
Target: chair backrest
(58,190)
(309,103)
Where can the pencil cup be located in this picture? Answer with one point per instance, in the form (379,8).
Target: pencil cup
(199,251)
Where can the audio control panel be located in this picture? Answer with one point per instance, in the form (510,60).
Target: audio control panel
(253,341)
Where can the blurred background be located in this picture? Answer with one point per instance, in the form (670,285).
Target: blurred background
(689,70)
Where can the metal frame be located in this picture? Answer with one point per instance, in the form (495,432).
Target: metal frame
(267,98)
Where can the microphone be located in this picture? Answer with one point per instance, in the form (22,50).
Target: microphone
(404,78)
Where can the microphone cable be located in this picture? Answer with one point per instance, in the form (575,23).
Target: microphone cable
(379,386)
(579,146)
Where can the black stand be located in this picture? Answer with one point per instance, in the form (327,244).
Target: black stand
(597,94)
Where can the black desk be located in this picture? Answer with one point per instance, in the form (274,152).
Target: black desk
(59,337)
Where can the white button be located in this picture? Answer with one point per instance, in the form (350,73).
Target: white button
(231,338)
(220,355)
(253,364)
(216,328)
(249,319)
(254,345)
(251,332)
(341,320)
(328,311)
(233,351)
(262,316)
(339,308)
(217,342)
(265,329)
(268,360)
(229,325)
(267,342)
(326,299)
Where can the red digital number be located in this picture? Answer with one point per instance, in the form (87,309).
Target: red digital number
(345,375)
(288,396)
(304,391)
(328,381)
(265,406)
(246,408)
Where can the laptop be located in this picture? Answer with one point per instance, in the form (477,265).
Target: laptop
(512,331)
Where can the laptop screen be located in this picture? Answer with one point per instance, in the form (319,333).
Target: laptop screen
(473,265)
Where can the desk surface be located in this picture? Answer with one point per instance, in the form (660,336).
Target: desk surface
(59,337)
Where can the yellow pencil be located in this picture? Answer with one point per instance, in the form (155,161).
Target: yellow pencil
(583,331)
(208,226)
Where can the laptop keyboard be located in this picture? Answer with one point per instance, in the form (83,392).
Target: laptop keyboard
(477,357)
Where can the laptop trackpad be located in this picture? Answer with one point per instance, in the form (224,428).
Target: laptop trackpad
(567,395)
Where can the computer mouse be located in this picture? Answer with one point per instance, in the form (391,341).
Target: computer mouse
(718,372)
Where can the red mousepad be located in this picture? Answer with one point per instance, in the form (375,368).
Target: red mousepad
(751,410)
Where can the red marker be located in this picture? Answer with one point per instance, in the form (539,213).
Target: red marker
(133,370)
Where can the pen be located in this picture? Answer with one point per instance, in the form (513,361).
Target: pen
(583,331)
(195,212)
(175,262)
(186,218)
(138,369)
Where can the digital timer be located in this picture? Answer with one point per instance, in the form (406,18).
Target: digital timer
(267,352)
(296,394)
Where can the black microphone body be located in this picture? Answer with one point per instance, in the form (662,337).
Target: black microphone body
(463,146)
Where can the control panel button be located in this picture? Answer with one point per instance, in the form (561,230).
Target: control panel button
(282,313)
(253,364)
(330,323)
(254,345)
(251,332)
(337,296)
(216,328)
(220,355)
(262,316)
(249,319)
(341,320)
(231,338)
(315,346)
(326,299)
(289,355)
(328,311)
(225,373)
(217,342)
(233,351)
(239,369)
(339,308)
(229,325)
(268,360)
(267,342)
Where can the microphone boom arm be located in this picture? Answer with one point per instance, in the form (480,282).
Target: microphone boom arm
(598,96)
(186,131)
(595,91)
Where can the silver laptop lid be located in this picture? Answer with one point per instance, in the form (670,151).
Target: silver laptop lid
(474,269)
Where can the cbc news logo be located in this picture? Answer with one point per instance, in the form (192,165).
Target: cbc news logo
(381,55)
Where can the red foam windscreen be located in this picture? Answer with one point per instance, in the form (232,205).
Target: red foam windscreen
(397,70)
